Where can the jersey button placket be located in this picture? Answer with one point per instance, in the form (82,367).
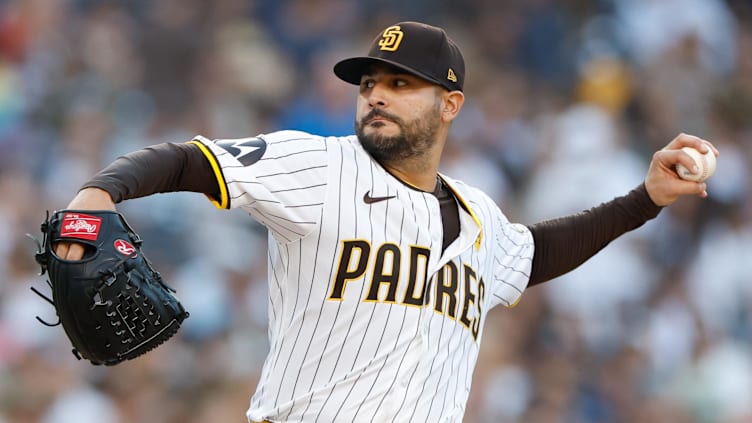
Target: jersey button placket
(421,335)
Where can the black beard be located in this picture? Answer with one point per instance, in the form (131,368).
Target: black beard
(415,139)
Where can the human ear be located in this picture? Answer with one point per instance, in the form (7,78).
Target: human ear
(452,104)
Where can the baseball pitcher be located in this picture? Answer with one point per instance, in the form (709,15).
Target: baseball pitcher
(381,270)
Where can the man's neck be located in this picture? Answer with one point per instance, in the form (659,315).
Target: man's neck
(423,179)
(419,172)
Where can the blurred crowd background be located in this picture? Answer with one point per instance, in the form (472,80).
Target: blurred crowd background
(566,102)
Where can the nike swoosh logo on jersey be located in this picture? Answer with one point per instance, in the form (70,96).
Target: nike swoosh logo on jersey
(370,200)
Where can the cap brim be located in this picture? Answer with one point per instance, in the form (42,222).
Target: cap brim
(352,70)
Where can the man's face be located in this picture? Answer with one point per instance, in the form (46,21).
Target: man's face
(398,114)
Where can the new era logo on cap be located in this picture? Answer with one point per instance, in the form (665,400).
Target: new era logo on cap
(420,49)
(451,76)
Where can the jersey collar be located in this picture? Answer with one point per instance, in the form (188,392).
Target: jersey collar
(466,207)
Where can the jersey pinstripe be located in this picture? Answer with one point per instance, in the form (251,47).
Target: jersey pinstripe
(368,320)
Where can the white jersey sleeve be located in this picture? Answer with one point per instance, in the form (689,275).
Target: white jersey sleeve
(279,178)
(509,247)
(513,261)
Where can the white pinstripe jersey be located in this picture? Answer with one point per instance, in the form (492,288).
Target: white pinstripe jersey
(368,320)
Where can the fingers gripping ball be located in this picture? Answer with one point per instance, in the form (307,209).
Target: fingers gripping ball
(705,165)
(112,304)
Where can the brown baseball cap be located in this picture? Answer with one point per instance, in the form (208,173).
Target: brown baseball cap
(420,49)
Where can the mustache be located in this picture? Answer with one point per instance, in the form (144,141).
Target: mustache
(379,113)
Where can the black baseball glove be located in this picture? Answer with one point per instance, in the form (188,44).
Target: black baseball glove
(112,304)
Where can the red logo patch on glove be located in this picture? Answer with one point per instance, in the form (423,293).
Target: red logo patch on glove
(81,226)
(125,248)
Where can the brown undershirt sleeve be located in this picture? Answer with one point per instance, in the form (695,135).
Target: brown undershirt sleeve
(563,244)
(167,167)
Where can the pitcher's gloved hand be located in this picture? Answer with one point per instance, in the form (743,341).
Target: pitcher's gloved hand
(112,304)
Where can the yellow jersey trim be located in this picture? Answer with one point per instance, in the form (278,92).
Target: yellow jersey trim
(224,201)
(517,301)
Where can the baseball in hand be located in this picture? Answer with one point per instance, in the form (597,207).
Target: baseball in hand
(705,165)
